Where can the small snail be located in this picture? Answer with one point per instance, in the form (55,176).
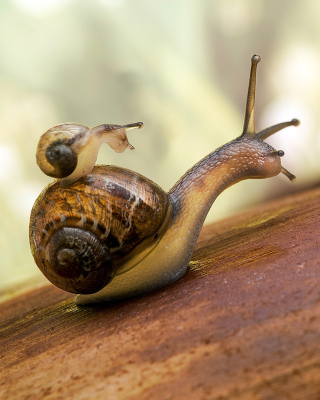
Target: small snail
(109,233)
(69,151)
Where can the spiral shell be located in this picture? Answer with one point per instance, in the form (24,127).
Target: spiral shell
(84,234)
(58,149)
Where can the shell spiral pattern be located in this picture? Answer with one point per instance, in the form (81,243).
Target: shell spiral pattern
(83,235)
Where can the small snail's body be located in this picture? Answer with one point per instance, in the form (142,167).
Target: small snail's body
(115,234)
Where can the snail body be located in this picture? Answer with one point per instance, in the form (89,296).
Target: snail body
(114,233)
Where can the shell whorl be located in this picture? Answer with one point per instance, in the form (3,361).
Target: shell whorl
(58,148)
(61,157)
(79,262)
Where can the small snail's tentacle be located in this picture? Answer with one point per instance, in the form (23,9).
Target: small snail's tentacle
(129,145)
(248,126)
(135,125)
(129,127)
(288,174)
(265,133)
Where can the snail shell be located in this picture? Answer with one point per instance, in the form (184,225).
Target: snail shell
(58,149)
(101,226)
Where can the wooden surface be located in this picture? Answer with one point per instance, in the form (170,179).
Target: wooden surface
(244,323)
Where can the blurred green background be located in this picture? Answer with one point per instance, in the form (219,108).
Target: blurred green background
(181,67)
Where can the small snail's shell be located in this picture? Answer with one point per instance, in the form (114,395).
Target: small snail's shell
(98,227)
(58,149)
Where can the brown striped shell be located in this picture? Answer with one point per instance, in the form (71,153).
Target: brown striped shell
(100,226)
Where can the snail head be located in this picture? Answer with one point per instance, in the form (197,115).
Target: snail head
(266,161)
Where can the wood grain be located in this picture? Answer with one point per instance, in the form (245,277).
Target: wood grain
(244,323)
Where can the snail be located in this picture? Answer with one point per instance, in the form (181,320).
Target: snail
(69,151)
(107,233)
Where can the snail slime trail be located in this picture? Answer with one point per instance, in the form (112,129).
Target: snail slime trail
(107,233)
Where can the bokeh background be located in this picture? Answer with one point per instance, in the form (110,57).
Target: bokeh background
(181,67)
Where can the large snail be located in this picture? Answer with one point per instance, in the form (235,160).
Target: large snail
(109,233)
